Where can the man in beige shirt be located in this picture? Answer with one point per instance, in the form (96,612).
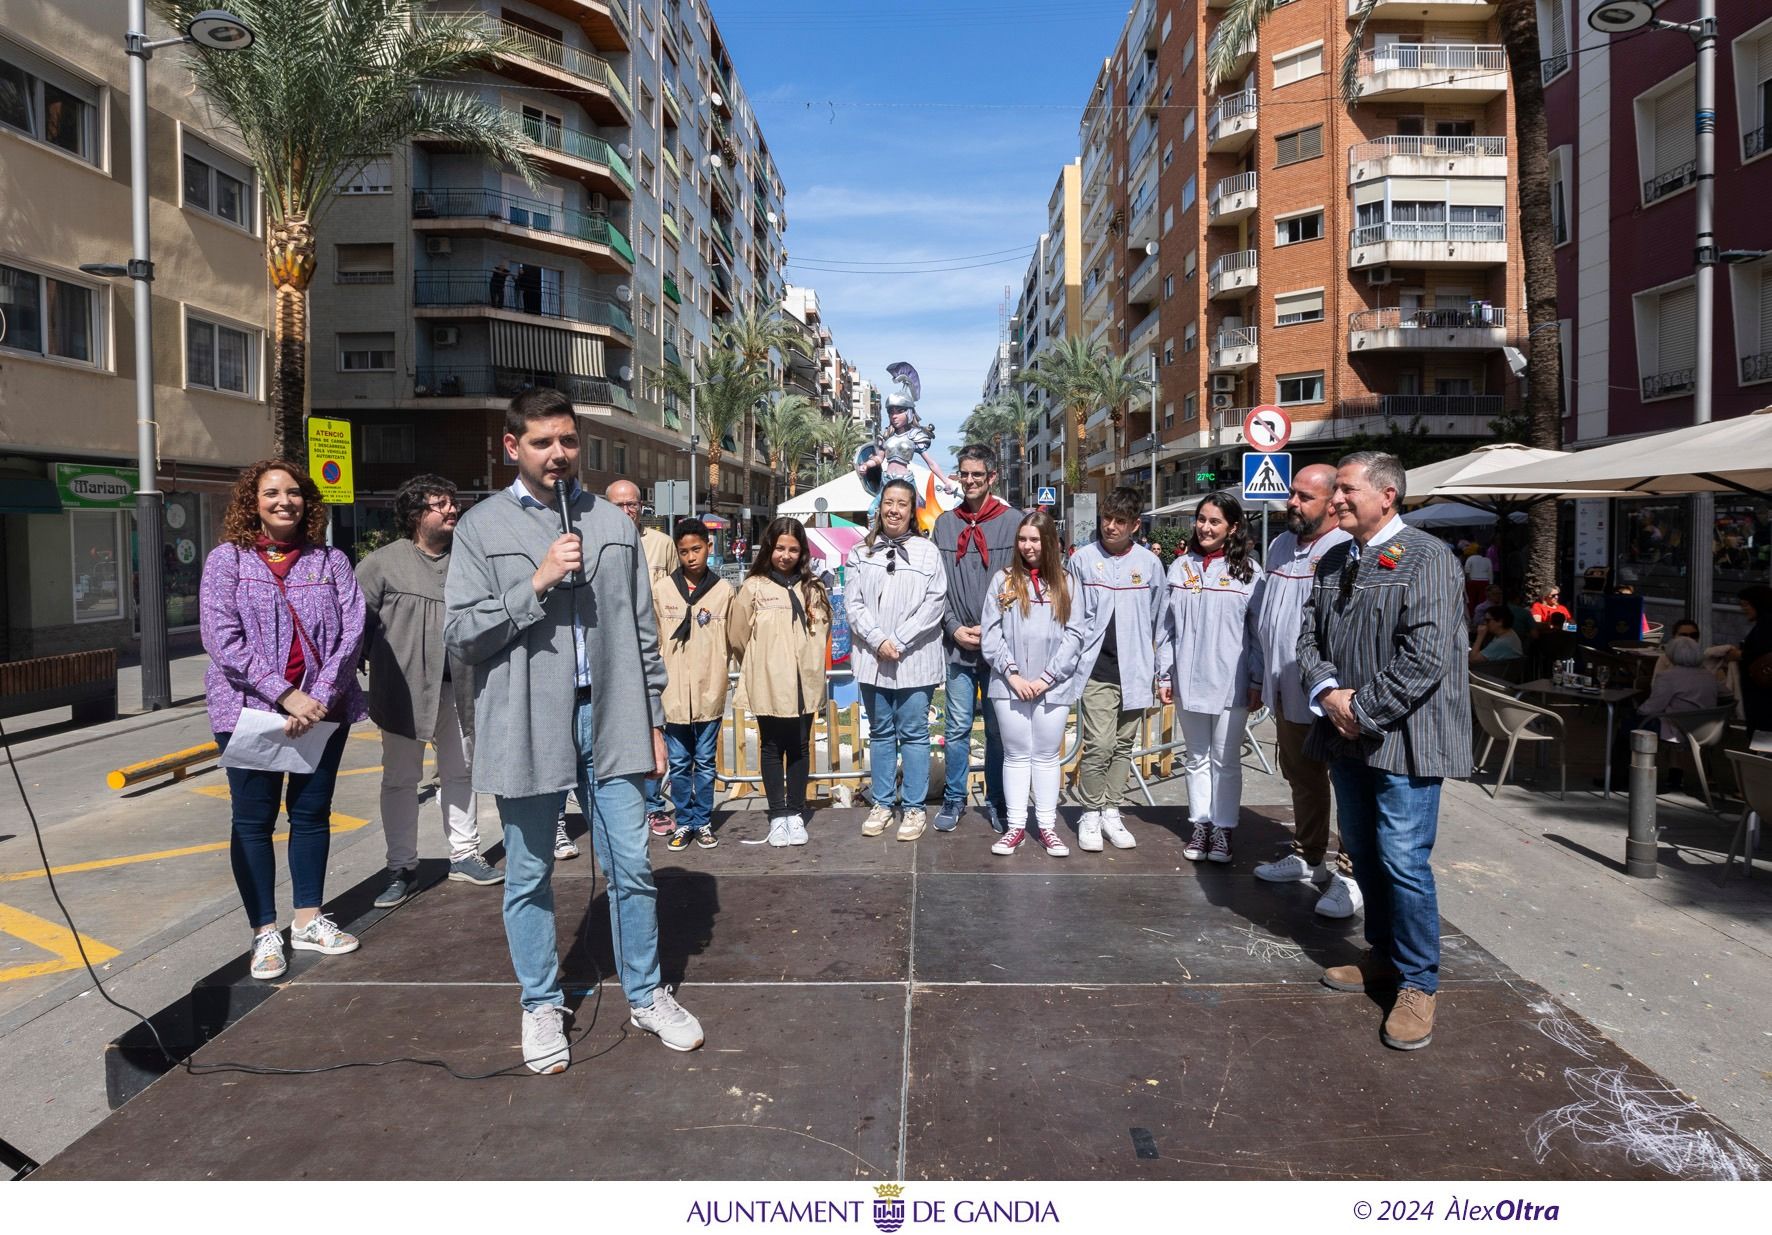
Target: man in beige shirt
(661,557)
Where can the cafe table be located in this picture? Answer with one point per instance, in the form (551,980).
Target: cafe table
(1611,697)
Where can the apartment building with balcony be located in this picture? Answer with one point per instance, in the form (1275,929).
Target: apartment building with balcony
(1258,242)
(448,284)
(1623,166)
(67,339)
(1048,310)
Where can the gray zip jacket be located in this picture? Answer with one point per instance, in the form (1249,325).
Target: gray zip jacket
(1128,590)
(521,647)
(403,642)
(1035,645)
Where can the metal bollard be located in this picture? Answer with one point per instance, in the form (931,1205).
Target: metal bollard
(1640,860)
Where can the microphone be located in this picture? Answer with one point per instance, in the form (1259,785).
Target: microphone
(576,578)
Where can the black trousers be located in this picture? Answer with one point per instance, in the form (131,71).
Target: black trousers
(785,742)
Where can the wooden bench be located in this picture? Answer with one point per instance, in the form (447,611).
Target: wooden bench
(84,681)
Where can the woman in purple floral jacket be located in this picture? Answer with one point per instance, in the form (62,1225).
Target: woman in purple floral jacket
(283,626)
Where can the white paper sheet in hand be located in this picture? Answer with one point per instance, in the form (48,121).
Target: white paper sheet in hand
(259,743)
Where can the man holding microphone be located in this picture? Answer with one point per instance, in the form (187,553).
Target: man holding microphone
(549,601)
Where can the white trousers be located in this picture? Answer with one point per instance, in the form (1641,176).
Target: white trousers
(402,765)
(1214,764)
(1033,740)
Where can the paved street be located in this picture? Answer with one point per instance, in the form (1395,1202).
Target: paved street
(1670,970)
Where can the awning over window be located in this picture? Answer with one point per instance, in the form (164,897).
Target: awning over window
(544,349)
(29,495)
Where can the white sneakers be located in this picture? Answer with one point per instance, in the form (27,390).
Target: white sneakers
(797,830)
(669,1020)
(544,1039)
(1292,868)
(787,830)
(877,821)
(322,935)
(268,961)
(1089,832)
(1115,830)
(1341,899)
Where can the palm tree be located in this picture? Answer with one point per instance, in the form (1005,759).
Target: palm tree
(837,441)
(754,334)
(788,425)
(1544,373)
(1118,383)
(726,392)
(323,89)
(1070,373)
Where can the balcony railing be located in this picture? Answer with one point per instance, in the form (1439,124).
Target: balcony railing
(1455,59)
(574,143)
(524,212)
(1450,233)
(556,55)
(1143,142)
(363,276)
(1230,186)
(1478,317)
(1756,368)
(450,382)
(501,290)
(1146,267)
(1230,107)
(1428,148)
(1753,142)
(1423,407)
(1232,262)
(1146,327)
(671,292)
(1671,181)
(1667,385)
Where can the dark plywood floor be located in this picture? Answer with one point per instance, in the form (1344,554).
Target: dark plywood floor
(885,1010)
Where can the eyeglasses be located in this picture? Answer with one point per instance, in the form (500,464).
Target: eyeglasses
(629,505)
(973,475)
(443,504)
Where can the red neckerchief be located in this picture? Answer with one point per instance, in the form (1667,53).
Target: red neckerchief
(970,534)
(279,555)
(1210,558)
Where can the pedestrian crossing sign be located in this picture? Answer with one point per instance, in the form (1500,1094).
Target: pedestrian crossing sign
(1047,496)
(1267,477)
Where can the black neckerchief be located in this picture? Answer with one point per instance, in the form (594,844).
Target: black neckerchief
(690,596)
(791,583)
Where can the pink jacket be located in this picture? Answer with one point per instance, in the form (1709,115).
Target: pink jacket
(247,631)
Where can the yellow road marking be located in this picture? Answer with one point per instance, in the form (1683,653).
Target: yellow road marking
(340,823)
(55,939)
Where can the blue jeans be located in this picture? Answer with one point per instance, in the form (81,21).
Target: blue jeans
(692,749)
(1388,824)
(898,728)
(966,683)
(655,798)
(617,811)
(255,797)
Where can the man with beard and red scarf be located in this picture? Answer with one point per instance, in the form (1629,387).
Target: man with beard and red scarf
(976,539)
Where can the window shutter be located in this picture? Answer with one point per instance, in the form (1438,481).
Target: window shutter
(1556,37)
(1676,141)
(1677,330)
(1766,308)
(1310,143)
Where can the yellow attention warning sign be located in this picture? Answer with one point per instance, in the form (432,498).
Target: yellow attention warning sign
(329,459)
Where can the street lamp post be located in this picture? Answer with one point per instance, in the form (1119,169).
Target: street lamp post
(219,31)
(1622,17)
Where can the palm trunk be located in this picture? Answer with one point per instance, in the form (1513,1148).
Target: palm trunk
(290,257)
(1544,369)
(713,472)
(1075,477)
(1107,482)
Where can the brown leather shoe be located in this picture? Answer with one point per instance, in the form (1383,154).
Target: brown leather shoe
(1371,970)
(1410,1026)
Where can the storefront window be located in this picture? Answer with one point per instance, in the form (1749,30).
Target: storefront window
(184,559)
(1742,549)
(98,593)
(1652,555)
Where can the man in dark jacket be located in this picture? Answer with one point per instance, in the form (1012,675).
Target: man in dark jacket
(976,540)
(416,695)
(1382,655)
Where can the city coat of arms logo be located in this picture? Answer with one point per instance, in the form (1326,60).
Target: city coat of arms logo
(889,1207)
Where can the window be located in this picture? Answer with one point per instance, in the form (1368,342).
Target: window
(47,316)
(593,447)
(1298,228)
(1753,89)
(1187,125)
(1190,264)
(1753,319)
(1559,190)
(1667,340)
(1299,146)
(216,183)
(1190,336)
(1169,148)
(98,558)
(375,176)
(1190,408)
(363,263)
(1187,52)
(219,357)
(366,353)
(1168,286)
(47,105)
(390,444)
(1169,214)
(1300,388)
(1168,352)
(1295,307)
(1553,41)
(1298,65)
(1190,192)
(1667,141)
(621,458)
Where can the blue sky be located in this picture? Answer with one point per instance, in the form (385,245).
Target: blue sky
(911,130)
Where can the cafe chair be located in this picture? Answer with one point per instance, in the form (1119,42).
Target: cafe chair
(1702,729)
(1502,718)
(1754,774)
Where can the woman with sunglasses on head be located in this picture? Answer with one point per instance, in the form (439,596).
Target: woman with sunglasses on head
(1036,625)
(779,628)
(896,592)
(1208,648)
(283,625)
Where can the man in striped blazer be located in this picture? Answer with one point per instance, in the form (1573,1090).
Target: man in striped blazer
(1382,654)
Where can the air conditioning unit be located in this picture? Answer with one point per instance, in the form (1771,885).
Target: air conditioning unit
(445,336)
(1222,401)
(438,246)
(1224,383)
(599,204)
(1378,276)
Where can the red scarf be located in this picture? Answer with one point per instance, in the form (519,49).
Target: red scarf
(280,556)
(970,534)
(1210,558)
